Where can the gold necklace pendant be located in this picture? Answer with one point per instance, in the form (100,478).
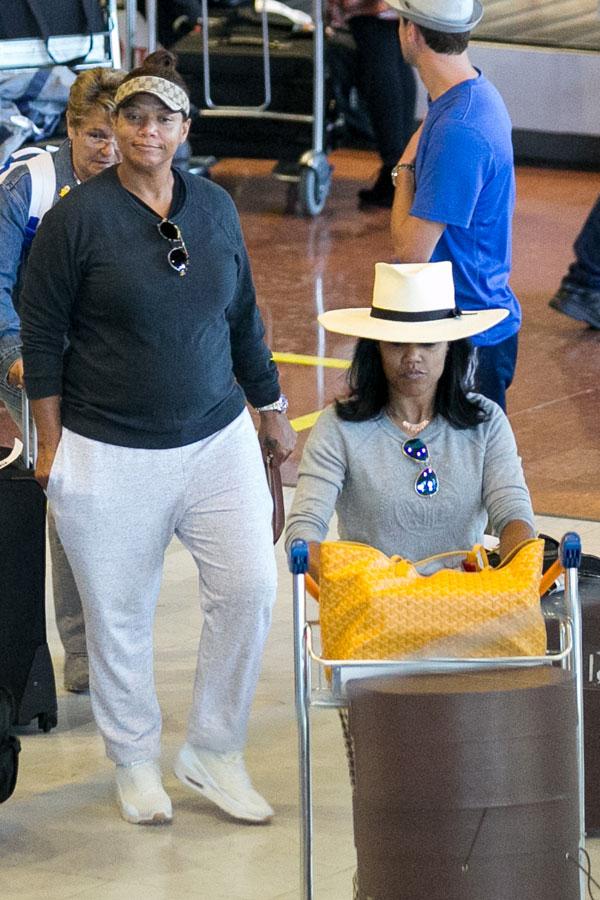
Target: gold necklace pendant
(414,428)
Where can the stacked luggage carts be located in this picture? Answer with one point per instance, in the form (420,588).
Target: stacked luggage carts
(77,33)
(336,683)
(259,86)
(41,45)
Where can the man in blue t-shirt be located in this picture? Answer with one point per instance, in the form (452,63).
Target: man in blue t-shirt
(455,185)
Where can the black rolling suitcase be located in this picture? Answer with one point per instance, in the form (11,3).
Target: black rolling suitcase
(25,663)
(237,79)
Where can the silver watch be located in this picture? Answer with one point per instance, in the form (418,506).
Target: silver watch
(280,405)
(410,167)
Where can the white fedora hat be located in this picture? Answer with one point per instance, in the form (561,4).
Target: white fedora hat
(450,16)
(413,303)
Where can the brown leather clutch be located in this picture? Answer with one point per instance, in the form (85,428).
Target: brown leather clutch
(274,481)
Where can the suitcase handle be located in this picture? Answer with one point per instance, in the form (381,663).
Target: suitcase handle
(233,109)
(14,454)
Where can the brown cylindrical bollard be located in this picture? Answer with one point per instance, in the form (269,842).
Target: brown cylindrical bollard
(466,786)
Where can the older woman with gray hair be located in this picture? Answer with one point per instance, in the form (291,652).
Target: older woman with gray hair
(90,149)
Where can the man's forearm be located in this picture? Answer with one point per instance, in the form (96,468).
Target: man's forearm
(46,413)
(403,198)
(414,239)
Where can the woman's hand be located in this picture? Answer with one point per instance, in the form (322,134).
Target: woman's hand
(43,464)
(314,559)
(46,413)
(513,534)
(276,436)
(14,375)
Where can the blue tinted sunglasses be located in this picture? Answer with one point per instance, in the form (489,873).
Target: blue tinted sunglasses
(426,483)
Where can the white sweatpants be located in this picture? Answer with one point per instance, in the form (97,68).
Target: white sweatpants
(116,510)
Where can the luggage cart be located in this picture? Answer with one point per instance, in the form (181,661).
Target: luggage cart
(312,174)
(100,49)
(331,694)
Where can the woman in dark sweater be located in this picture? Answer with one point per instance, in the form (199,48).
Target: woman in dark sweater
(144,434)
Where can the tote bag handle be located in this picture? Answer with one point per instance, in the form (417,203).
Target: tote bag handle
(92,22)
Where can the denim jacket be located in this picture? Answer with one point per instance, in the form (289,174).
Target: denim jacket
(15,196)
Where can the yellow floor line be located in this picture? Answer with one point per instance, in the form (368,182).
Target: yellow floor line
(300,359)
(301,423)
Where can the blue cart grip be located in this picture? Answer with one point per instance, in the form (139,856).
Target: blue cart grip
(298,559)
(570,550)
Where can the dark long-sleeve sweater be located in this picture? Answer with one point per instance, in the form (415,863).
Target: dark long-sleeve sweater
(154,360)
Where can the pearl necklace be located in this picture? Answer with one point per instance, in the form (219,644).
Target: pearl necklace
(416,428)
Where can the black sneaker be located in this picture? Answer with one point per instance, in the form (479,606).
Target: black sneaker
(382,192)
(578,302)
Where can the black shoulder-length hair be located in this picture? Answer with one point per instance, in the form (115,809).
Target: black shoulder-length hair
(368,387)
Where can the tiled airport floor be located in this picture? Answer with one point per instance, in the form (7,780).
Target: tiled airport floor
(61,835)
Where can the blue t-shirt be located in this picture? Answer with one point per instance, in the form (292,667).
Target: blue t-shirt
(464,176)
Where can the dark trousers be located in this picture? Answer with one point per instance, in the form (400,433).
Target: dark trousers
(387,84)
(585,271)
(496,368)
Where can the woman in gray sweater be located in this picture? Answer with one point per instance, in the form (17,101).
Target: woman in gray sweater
(411,461)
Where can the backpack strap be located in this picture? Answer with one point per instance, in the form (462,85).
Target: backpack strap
(43,187)
(18,158)
(43,184)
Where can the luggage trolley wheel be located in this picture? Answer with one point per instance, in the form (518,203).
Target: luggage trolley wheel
(47,721)
(314,182)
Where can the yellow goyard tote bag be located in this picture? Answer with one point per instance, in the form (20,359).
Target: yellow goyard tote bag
(376,607)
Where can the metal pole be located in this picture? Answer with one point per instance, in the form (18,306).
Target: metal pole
(299,566)
(115,48)
(318,76)
(151,24)
(129,36)
(570,554)
(26,432)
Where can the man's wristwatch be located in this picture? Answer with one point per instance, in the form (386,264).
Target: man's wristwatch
(279,406)
(410,167)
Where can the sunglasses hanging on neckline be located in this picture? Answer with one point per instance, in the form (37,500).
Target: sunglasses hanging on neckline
(426,483)
(177,257)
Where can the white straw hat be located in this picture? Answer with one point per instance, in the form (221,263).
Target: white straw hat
(413,303)
(449,16)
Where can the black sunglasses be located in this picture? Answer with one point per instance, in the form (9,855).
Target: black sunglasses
(178,257)
(426,483)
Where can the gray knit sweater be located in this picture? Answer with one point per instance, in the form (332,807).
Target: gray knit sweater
(358,469)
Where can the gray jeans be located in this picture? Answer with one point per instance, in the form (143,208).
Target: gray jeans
(67,603)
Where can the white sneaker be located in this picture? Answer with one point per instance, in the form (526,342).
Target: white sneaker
(222,778)
(142,798)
